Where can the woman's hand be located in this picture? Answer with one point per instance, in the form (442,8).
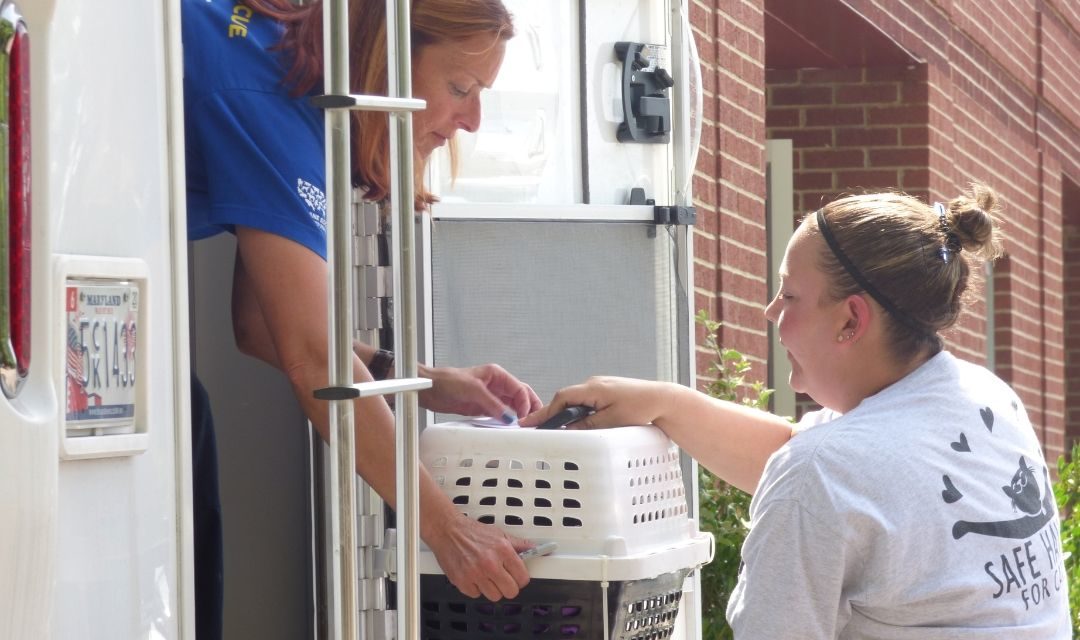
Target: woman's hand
(616,401)
(480,559)
(487,390)
(733,441)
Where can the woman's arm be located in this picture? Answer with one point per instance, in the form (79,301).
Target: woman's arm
(733,441)
(287,283)
(481,390)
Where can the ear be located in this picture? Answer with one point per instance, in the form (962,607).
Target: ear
(857,314)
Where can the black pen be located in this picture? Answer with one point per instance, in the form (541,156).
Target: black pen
(569,414)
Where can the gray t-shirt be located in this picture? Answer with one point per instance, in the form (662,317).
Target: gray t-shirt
(924,513)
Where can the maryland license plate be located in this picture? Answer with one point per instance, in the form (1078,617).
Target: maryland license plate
(101,352)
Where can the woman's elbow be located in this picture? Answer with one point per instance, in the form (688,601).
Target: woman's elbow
(250,341)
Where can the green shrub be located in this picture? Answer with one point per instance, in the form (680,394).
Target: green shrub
(1067,492)
(724,510)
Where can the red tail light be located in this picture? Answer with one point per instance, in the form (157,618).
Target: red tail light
(15,203)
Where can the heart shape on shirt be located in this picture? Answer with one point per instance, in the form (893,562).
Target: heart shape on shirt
(988,418)
(950,494)
(961,445)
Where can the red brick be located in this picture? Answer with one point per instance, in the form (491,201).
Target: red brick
(744,287)
(782,117)
(817,180)
(705,249)
(862,137)
(740,258)
(785,96)
(914,136)
(814,200)
(896,115)
(747,232)
(914,93)
(834,159)
(879,74)
(830,76)
(849,180)
(867,93)
(701,18)
(802,138)
(781,76)
(823,116)
(738,120)
(898,157)
(741,314)
(705,277)
(706,302)
(915,179)
(704,186)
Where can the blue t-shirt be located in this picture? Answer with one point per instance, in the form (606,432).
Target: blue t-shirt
(254,154)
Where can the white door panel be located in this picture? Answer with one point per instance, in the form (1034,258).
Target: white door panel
(526,150)
(616,167)
(89,548)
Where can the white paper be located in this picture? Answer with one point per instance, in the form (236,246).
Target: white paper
(492,423)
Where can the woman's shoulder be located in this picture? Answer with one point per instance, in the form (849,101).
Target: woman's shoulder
(807,459)
(940,386)
(227,46)
(932,413)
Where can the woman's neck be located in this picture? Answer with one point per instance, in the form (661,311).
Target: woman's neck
(873,374)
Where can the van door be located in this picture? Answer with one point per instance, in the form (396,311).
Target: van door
(93,443)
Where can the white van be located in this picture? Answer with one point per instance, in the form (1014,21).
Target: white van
(93,455)
(95,357)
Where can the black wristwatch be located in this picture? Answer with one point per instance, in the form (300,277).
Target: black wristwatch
(381,364)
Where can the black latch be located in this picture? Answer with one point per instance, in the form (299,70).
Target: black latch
(646,106)
(674,214)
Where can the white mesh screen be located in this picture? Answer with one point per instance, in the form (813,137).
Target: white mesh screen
(555,301)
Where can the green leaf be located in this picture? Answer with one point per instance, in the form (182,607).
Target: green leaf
(1068,497)
(724,509)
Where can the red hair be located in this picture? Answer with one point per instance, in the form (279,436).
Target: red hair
(433,21)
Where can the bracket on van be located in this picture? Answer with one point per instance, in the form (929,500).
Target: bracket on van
(646,106)
(674,214)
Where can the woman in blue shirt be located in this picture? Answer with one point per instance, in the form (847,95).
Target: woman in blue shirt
(255,168)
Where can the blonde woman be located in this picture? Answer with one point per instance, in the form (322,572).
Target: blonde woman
(917,503)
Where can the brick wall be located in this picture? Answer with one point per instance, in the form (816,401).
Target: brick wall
(1056,122)
(1071,242)
(729,187)
(994,96)
(852,130)
(992,102)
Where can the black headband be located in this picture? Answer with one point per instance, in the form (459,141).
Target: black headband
(861,280)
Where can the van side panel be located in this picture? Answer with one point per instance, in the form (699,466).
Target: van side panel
(90,544)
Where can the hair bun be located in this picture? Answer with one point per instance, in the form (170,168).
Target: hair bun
(973,217)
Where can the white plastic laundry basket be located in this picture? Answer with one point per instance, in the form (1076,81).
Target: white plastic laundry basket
(614,502)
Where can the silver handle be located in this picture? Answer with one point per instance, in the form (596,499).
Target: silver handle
(337,102)
(399,74)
